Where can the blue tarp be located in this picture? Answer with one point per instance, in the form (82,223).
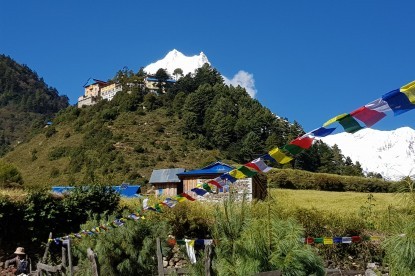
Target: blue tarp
(124,190)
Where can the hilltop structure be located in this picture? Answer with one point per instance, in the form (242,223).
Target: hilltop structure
(96,90)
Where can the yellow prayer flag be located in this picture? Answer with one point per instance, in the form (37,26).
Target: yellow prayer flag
(192,243)
(180,199)
(335,119)
(279,156)
(375,238)
(409,91)
(327,240)
(237,174)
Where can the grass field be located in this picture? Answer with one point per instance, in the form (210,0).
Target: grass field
(338,202)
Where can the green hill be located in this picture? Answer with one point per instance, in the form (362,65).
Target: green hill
(26,103)
(195,121)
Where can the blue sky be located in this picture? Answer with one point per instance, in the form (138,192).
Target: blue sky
(311,60)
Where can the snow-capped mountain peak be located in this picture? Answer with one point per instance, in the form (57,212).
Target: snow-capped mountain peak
(175,59)
(390,153)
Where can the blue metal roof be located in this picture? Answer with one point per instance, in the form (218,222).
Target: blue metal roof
(165,176)
(157,80)
(92,81)
(89,82)
(214,168)
(123,190)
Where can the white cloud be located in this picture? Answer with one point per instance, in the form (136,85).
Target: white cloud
(245,80)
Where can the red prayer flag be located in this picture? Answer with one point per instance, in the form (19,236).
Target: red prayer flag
(367,116)
(187,196)
(303,142)
(214,182)
(309,240)
(356,239)
(253,166)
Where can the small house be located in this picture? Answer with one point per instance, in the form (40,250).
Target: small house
(166,182)
(254,187)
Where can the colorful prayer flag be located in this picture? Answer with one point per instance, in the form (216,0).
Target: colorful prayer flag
(309,240)
(180,198)
(322,132)
(318,240)
(293,149)
(379,105)
(207,187)
(398,102)
(367,116)
(304,142)
(187,196)
(237,174)
(216,182)
(200,192)
(327,240)
(228,177)
(356,239)
(246,171)
(169,202)
(259,165)
(349,124)
(279,156)
(346,239)
(335,119)
(409,91)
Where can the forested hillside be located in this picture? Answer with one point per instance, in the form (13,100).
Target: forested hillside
(26,102)
(196,121)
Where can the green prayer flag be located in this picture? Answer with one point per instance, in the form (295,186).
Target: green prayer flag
(293,149)
(318,240)
(246,171)
(207,187)
(349,124)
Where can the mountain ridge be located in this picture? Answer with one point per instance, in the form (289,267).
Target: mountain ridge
(175,59)
(390,153)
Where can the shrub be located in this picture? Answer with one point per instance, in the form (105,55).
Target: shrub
(57,153)
(130,247)
(50,131)
(9,175)
(298,179)
(139,149)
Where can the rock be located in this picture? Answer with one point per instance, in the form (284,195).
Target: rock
(372,265)
(165,263)
(370,272)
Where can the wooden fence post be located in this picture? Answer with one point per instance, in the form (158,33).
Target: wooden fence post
(94,261)
(68,243)
(208,263)
(160,267)
(45,255)
(64,260)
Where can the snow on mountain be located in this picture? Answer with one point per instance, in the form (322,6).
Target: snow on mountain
(175,59)
(390,153)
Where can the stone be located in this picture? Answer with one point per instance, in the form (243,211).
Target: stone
(372,265)
(165,263)
(370,272)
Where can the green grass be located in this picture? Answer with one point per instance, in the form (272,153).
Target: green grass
(337,202)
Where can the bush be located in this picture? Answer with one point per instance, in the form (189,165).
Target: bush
(57,153)
(298,179)
(9,175)
(131,247)
(50,131)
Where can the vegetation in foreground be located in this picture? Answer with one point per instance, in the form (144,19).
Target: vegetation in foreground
(254,236)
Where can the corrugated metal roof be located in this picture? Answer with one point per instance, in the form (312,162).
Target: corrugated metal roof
(165,175)
(125,191)
(92,81)
(214,168)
